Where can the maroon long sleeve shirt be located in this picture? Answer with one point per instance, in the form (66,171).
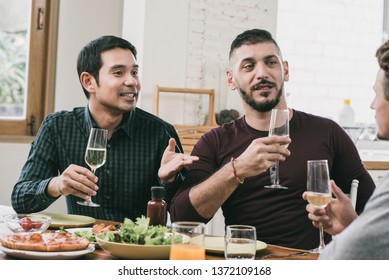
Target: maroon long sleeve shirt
(278,215)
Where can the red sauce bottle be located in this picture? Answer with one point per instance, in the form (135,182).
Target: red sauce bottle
(156,207)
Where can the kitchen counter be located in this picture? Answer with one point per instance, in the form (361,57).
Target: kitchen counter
(376,165)
(375,155)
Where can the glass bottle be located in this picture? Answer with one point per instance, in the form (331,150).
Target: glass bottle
(156,207)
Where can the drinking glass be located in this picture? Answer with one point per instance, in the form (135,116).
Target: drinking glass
(318,191)
(279,125)
(372,134)
(187,241)
(240,242)
(95,155)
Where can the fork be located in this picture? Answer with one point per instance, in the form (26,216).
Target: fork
(284,255)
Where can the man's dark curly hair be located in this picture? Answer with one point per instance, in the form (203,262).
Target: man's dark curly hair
(382,55)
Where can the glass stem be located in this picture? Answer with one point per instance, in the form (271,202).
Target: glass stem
(322,244)
(89,199)
(276,178)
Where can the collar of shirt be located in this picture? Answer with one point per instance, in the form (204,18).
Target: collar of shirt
(127,124)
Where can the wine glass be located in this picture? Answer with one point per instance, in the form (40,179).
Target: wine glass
(95,155)
(279,125)
(372,134)
(318,191)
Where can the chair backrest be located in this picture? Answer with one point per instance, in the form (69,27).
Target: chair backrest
(211,120)
(189,135)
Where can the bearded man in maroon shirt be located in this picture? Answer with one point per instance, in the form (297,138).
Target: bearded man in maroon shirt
(236,159)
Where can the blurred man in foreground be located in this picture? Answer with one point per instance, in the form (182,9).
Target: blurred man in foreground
(366,236)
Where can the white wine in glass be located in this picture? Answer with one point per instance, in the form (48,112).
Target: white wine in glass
(279,125)
(318,191)
(95,155)
(318,200)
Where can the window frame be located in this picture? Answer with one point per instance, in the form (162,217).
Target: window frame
(41,72)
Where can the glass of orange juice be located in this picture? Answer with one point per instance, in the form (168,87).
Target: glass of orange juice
(187,241)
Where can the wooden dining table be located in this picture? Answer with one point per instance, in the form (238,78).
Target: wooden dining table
(271,252)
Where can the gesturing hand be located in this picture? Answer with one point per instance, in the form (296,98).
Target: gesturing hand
(173,162)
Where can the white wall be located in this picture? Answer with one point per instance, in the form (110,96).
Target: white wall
(160,36)
(12,159)
(79,23)
(330,46)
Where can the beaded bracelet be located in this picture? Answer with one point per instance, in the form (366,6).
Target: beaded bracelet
(234,171)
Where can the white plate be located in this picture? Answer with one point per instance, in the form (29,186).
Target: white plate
(35,255)
(215,244)
(69,220)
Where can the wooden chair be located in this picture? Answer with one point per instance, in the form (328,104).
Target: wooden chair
(190,134)
(211,120)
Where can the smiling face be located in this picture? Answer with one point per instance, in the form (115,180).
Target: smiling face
(258,73)
(381,105)
(118,87)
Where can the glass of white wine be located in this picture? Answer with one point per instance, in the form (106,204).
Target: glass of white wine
(95,155)
(279,125)
(318,191)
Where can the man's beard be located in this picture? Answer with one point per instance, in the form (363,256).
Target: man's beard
(264,106)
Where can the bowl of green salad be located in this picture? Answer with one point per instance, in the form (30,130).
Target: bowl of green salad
(137,240)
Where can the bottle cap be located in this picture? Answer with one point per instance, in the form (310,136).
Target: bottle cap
(157,192)
(347,101)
